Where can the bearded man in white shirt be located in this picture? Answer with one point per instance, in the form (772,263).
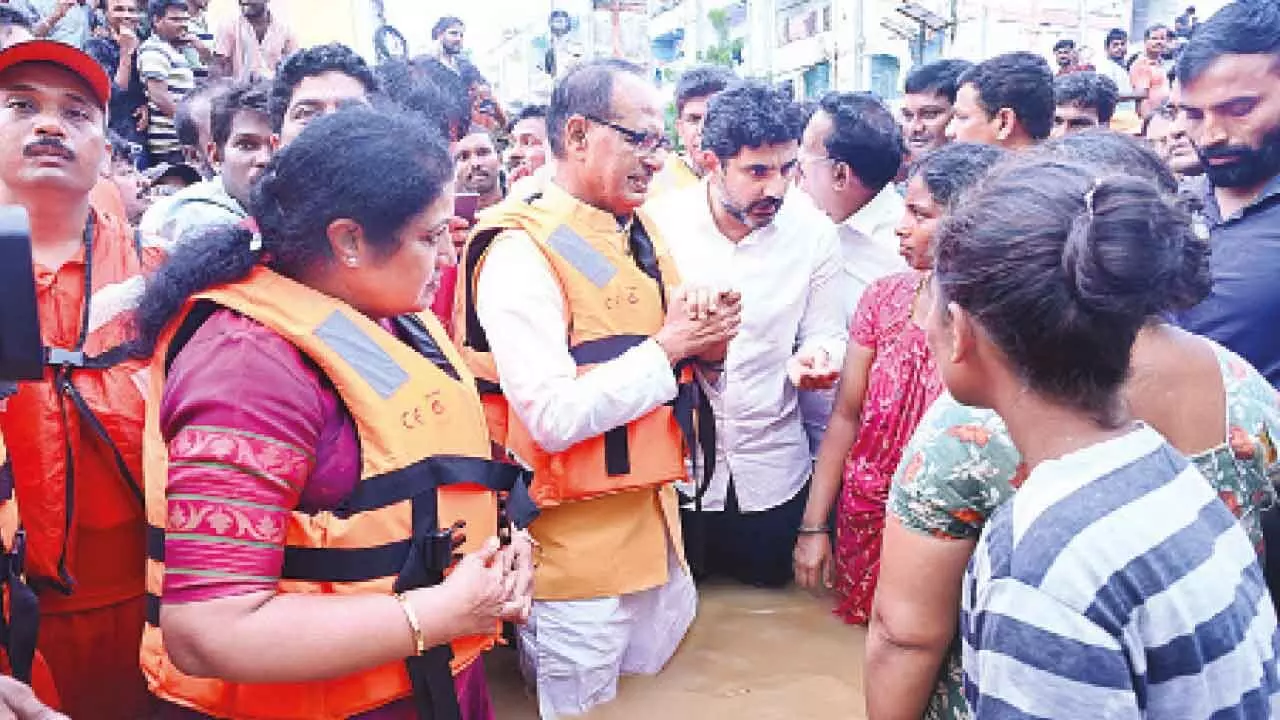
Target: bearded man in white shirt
(738,229)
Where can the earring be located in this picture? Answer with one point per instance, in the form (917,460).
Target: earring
(352,261)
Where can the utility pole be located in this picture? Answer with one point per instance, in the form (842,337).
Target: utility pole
(617,28)
(699,20)
(859,44)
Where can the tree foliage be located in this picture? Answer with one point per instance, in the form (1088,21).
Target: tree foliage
(726,51)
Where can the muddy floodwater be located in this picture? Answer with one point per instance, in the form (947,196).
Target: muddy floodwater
(751,655)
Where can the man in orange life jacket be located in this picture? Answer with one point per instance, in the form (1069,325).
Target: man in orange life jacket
(579,304)
(75,438)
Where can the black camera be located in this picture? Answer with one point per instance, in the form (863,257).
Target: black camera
(21,351)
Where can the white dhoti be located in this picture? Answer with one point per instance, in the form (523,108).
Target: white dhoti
(573,651)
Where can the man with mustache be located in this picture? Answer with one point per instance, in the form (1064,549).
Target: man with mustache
(849,154)
(927,105)
(746,227)
(528,153)
(75,437)
(167,75)
(122,172)
(1230,104)
(1166,130)
(573,311)
(117,52)
(476,166)
(1149,73)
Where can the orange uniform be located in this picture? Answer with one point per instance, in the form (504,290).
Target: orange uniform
(82,511)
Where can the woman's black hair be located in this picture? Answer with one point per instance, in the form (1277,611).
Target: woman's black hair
(1062,265)
(375,168)
(1111,152)
(951,170)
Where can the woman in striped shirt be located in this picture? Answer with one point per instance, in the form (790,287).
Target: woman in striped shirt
(1115,583)
(961,465)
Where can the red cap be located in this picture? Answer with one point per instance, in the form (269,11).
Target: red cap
(62,55)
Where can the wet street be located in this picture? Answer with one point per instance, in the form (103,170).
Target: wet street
(751,655)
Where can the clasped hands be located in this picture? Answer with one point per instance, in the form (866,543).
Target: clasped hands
(700,323)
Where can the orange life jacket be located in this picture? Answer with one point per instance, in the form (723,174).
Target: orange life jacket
(424,465)
(76,435)
(614,301)
(71,448)
(675,175)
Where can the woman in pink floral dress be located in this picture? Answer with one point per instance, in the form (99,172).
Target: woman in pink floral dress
(889,380)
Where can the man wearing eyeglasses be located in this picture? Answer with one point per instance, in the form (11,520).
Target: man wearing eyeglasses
(746,227)
(571,308)
(851,150)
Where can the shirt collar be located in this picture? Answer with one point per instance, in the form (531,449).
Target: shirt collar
(588,217)
(1214,212)
(875,213)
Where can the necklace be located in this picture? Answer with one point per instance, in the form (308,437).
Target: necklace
(925,277)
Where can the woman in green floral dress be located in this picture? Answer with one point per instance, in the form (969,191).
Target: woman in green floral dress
(961,465)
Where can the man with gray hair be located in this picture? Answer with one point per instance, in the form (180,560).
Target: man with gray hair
(571,309)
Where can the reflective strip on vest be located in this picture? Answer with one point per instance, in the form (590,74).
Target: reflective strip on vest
(364,356)
(585,259)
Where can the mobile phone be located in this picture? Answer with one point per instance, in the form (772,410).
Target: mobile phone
(464,206)
(21,350)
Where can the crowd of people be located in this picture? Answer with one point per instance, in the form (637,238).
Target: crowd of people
(395,374)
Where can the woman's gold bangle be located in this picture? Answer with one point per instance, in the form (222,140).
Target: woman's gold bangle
(418,639)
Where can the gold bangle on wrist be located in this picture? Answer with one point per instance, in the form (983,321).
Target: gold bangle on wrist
(418,639)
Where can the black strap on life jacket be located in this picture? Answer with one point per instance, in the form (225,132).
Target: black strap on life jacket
(692,407)
(475,337)
(65,363)
(417,562)
(20,618)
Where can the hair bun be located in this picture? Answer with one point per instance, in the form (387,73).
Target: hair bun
(1110,273)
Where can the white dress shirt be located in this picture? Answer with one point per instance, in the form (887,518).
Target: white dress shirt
(521,307)
(792,298)
(869,246)
(1119,74)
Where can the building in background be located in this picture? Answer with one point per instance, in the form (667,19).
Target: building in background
(812,45)
(822,45)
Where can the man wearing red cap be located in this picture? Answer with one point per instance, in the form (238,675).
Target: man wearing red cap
(74,439)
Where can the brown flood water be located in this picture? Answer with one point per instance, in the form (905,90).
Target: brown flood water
(751,655)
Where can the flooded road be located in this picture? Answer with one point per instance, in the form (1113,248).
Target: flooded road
(751,655)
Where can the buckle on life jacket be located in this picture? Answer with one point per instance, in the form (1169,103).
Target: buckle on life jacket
(13,561)
(430,554)
(518,506)
(63,358)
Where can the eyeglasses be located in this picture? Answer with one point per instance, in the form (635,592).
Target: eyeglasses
(802,161)
(646,142)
